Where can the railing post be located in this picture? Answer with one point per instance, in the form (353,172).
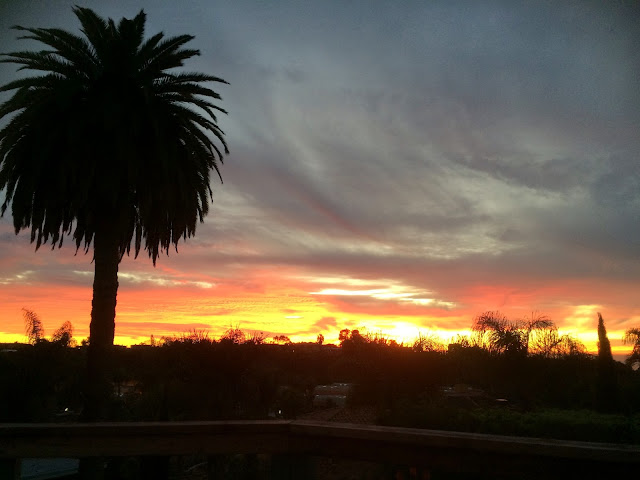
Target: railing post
(10,468)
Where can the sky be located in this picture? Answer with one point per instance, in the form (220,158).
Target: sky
(395,167)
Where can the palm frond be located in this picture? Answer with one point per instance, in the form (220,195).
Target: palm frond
(632,335)
(72,48)
(107,126)
(191,77)
(166,55)
(95,29)
(186,89)
(142,56)
(43,61)
(43,81)
(205,105)
(132,31)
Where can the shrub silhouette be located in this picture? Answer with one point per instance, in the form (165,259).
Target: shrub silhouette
(33,326)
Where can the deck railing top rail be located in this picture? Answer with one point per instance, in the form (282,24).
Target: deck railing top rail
(84,439)
(407,446)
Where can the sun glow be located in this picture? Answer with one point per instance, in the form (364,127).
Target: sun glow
(275,301)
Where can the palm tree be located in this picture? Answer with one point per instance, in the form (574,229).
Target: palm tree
(507,337)
(536,324)
(632,336)
(549,344)
(109,145)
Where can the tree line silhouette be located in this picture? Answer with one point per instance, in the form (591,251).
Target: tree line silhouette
(192,376)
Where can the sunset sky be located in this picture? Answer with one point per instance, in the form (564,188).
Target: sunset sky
(396,166)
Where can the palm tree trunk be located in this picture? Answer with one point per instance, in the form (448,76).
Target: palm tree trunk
(102,328)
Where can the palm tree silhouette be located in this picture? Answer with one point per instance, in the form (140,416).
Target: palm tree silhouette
(632,336)
(508,337)
(111,146)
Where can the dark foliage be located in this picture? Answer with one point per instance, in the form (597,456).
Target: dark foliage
(185,379)
(193,377)
(107,128)
(607,382)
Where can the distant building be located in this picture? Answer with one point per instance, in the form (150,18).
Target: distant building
(13,347)
(466,395)
(334,395)
(126,388)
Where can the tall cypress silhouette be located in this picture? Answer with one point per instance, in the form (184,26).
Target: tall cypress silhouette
(607,385)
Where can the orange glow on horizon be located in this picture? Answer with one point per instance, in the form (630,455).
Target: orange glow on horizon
(174,298)
(274,306)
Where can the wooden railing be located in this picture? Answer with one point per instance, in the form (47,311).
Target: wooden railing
(427,449)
